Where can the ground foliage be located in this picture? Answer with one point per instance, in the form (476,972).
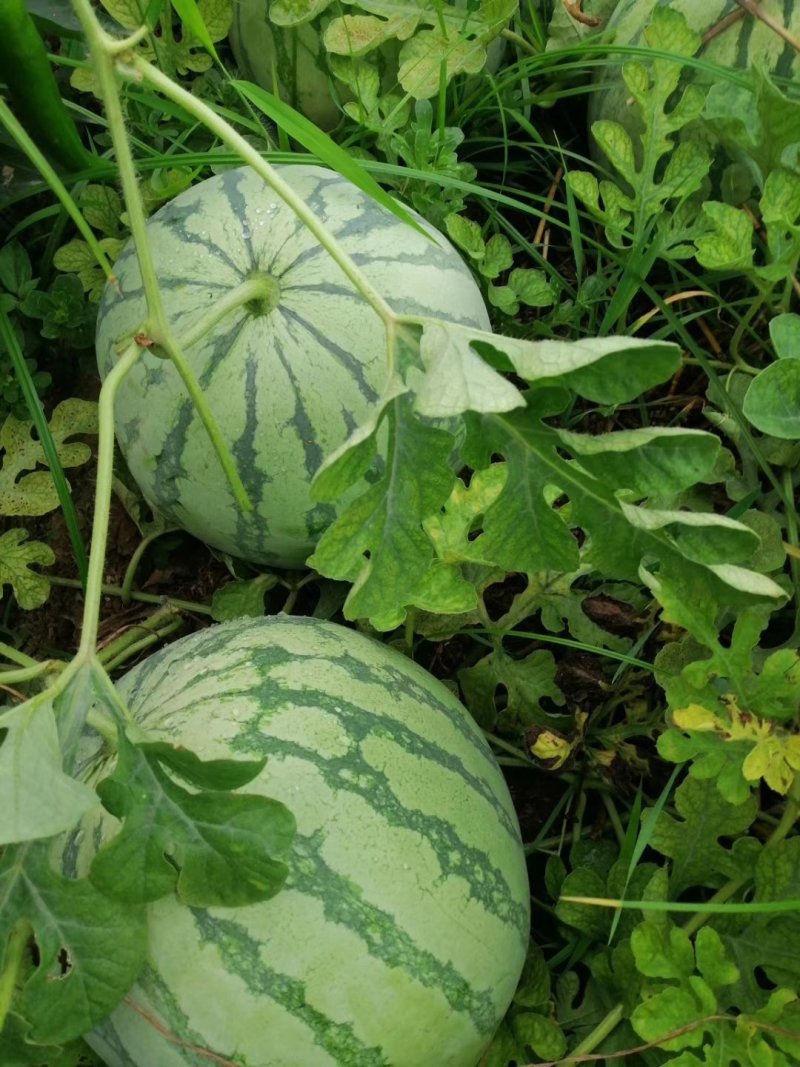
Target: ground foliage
(600,550)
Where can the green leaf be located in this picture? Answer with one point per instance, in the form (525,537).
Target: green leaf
(692,841)
(30,755)
(211,848)
(378,542)
(661,949)
(325,149)
(607,370)
(540,1034)
(729,244)
(661,461)
(18,557)
(466,234)
(784,331)
(101,206)
(457,379)
(497,258)
(192,18)
(592,921)
(533,990)
(667,1012)
(526,682)
(532,287)
(772,401)
(207,774)
(241,598)
(35,493)
(89,948)
(422,57)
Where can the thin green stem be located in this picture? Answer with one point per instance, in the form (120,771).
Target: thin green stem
(143,643)
(256,290)
(142,598)
(606,1026)
(25,674)
(613,815)
(203,113)
(13,959)
(59,189)
(13,654)
(136,559)
(157,327)
(158,625)
(102,506)
(520,42)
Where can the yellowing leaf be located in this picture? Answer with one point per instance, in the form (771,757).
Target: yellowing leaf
(17,557)
(34,493)
(696,717)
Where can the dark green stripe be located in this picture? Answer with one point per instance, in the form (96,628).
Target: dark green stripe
(246,457)
(241,955)
(174,216)
(741,59)
(299,420)
(163,998)
(169,469)
(232,181)
(343,903)
(353,773)
(328,347)
(357,722)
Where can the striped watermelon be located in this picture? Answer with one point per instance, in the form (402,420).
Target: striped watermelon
(400,935)
(742,43)
(287,383)
(295,58)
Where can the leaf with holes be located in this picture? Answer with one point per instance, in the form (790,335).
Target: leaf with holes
(34,493)
(89,948)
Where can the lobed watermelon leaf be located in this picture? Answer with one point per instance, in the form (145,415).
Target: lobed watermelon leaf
(89,949)
(209,847)
(30,753)
(18,557)
(390,542)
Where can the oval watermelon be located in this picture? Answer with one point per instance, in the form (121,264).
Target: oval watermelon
(294,59)
(400,935)
(745,41)
(287,382)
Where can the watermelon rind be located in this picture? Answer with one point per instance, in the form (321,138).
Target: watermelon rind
(744,42)
(400,935)
(287,384)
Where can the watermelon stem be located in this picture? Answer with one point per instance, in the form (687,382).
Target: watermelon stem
(103,48)
(260,294)
(137,67)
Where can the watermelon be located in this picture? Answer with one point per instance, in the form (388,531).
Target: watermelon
(744,42)
(293,59)
(401,932)
(287,380)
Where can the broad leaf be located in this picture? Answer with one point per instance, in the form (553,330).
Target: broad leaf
(18,557)
(208,847)
(36,798)
(378,542)
(35,493)
(89,948)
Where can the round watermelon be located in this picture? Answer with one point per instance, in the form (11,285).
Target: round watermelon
(288,380)
(400,934)
(738,46)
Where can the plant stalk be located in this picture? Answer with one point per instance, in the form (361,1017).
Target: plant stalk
(137,66)
(157,327)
